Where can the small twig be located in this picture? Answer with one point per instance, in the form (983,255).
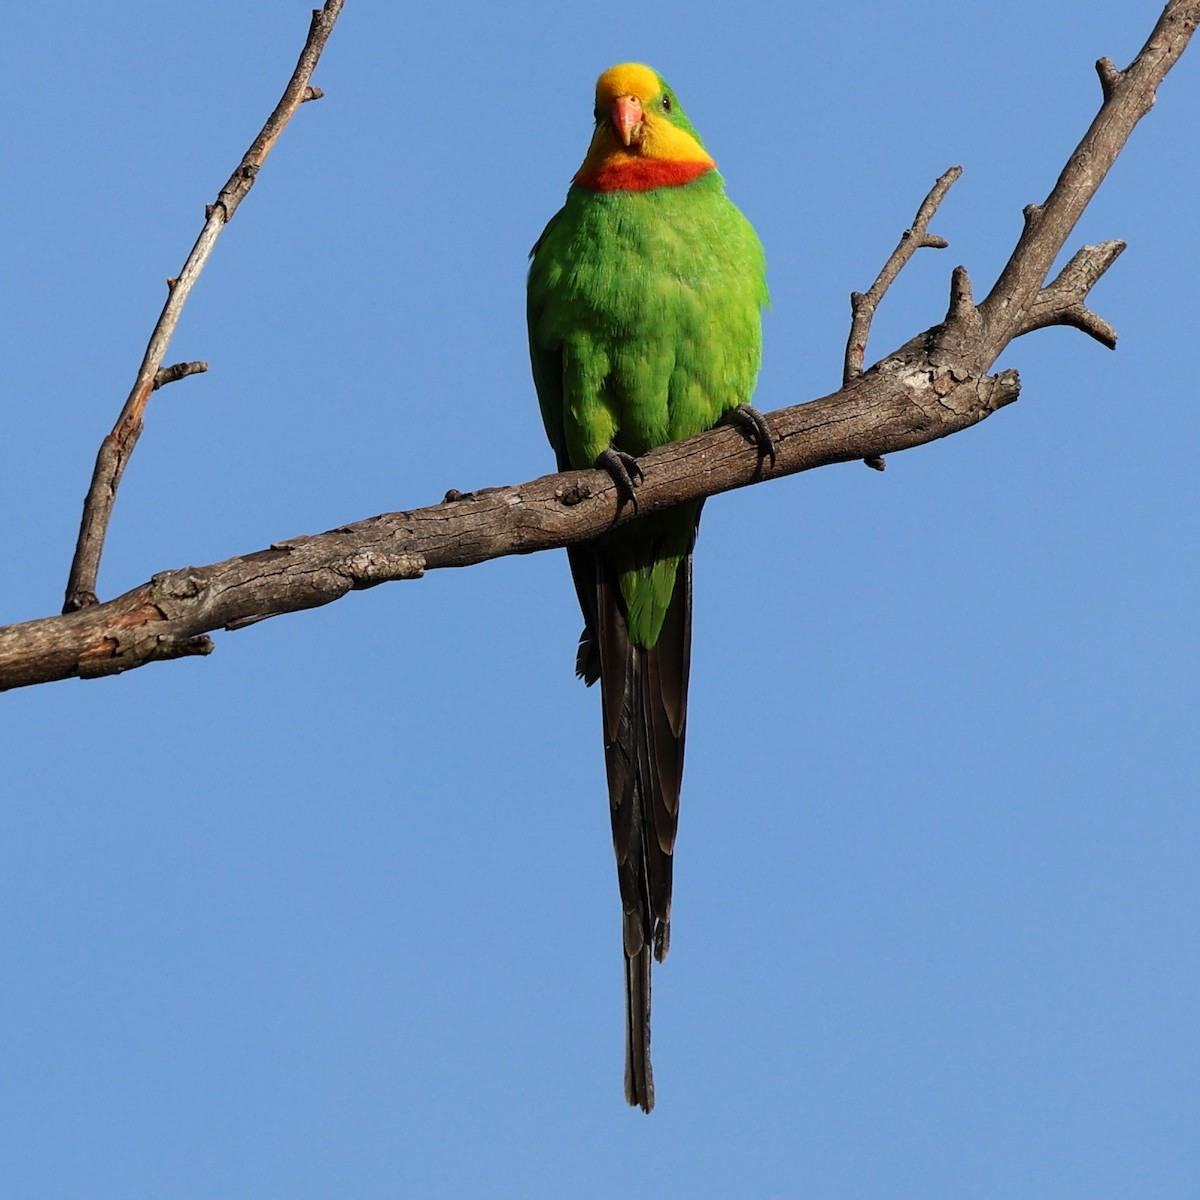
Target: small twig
(1061,302)
(117,447)
(1109,76)
(179,371)
(864,304)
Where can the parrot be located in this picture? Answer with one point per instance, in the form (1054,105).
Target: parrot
(644,305)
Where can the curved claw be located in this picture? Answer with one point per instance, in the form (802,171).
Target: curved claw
(624,471)
(754,425)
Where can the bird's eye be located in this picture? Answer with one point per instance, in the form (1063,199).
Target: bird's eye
(598,114)
(666,103)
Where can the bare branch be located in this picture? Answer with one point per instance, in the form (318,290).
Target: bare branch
(1061,302)
(962,304)
(1109,76)
(863,305)
(1128,96)
(173,374)
(906,405)
(117,447)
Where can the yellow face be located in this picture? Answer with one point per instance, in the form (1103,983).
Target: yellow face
(631,123)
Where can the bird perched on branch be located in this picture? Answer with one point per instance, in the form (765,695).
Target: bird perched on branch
(645,299)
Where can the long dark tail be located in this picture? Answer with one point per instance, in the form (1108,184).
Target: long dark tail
(644,703)
(639,1077)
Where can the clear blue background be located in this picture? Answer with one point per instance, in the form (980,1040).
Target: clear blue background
(333,912)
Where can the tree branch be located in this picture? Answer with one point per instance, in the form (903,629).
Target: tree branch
(935,385)
(167,616)
(1127,96)
(117,447)
(1061,302)
(863,305)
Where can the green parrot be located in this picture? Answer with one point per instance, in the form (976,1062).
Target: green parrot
(644,306)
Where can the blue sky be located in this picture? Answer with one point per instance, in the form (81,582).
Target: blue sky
(333,912)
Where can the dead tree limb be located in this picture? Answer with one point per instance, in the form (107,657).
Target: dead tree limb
(1128,96)
(864,304)
(934,385)
(169,616)
(116,448)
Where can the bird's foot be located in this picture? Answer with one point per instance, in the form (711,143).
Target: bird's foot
(753,425)
(624,471)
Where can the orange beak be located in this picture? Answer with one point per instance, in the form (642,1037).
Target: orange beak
(627,119)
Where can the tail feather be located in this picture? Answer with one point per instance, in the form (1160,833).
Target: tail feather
(639,1078)
(644,706)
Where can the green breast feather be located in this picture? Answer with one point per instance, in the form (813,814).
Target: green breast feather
(644,326)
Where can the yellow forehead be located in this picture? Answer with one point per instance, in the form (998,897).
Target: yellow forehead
(627,79)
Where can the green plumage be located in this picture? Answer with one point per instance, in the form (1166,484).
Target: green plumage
(644,328)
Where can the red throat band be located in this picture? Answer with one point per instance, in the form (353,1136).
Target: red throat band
(642,174)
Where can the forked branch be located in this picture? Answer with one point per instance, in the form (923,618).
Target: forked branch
(115,450)
(1127,96)
(863,305)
